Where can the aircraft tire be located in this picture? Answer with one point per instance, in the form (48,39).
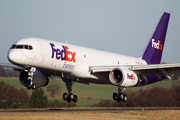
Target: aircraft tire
(69,98)
(29,87)
(65,95)
(115,96)
(33,86)
(119,98)
(125,98)
(75,98)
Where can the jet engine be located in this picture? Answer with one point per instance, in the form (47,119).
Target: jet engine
(123,77)
(39,79)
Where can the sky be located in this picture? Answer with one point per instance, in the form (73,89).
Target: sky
(119,26)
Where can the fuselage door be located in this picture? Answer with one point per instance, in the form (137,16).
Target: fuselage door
(41,46)
(42,51)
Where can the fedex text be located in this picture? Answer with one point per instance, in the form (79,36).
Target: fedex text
(62,54)
(157,45)
(130,76)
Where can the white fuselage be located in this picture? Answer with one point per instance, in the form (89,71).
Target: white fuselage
(66,58)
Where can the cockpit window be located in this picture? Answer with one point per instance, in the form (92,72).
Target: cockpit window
(28,47)
(13,46)
(19,47)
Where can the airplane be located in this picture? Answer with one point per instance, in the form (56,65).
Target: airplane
(39,59)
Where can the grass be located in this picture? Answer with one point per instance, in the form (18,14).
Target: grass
(82,103)
(12,81)
(133,115)
(94,92)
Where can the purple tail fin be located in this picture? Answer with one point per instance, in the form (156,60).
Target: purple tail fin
(154,50)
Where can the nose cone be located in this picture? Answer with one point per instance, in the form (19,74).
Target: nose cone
(14,56)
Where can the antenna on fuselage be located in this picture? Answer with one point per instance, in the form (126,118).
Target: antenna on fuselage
(66,41)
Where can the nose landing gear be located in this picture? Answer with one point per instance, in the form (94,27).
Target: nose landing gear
(31,85)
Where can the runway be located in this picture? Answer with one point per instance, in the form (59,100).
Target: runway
(61,111)
(76,111)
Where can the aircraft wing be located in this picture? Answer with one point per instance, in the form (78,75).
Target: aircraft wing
(160,69)
(8,65)
(145,70)
(96,69)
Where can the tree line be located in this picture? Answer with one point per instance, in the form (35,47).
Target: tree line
(11,97)
(155,97)
(8,72)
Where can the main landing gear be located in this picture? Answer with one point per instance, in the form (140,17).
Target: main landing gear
(31,85)
(120,96)
(69,97)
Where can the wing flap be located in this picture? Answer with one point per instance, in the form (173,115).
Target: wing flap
(95,69)
(155,66)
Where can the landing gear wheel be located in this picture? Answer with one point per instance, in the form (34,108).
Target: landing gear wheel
(115,96)
(119,97)
(75,98)
(69,98)
(33,86)
(65,95)
(125,98)
(29,87)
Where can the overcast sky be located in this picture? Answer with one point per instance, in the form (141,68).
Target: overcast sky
(120,26)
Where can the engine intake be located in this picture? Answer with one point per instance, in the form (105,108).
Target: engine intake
(39,79)
(123,77)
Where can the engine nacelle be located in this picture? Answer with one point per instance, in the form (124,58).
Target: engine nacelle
(39,79)
(123,77)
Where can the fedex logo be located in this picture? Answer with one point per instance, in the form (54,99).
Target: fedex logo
(130,76)
(63,54)
(157,45)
